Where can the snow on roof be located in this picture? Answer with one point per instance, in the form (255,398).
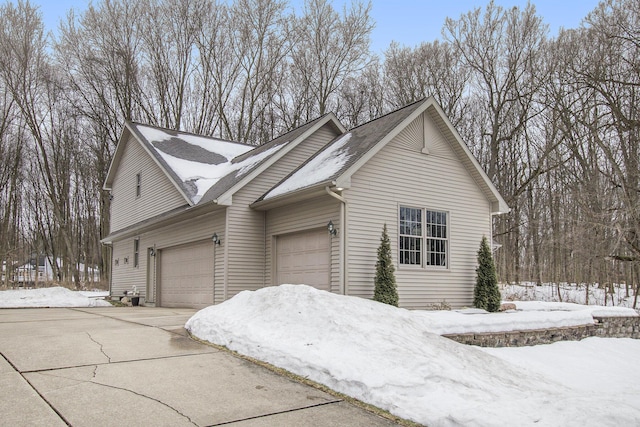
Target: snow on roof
(227,149)
(200,162)
(339,155)
(320,168)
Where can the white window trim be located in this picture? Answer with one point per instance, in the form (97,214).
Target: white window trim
(420,265)
(136,252)
(423,252)
(447,241)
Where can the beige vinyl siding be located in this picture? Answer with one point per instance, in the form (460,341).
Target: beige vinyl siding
(125,276)
(157,192)
(299,217)
(400,175)
(245,232)
(246,227)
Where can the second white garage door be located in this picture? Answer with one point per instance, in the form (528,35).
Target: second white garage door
(304,258)
(186,275)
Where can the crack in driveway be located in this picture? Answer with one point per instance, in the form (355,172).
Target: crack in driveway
(101,346)
(146,397)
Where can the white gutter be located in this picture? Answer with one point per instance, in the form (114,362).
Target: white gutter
(342,236)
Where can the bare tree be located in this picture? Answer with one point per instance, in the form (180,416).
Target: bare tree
(28,75)
(331,48)
(431,69)
(361,97)
(505,51)
(170,29)
(611,69)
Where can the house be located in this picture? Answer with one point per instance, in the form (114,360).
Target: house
(195,220)
(39,268)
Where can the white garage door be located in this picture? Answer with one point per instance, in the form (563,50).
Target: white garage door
(303,258)
(186,276)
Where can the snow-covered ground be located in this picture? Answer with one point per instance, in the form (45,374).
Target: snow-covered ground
(619,295)
(52,297)
(395,359)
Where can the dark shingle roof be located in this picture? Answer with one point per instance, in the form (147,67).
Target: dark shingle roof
(171,147)
(219,163)
(230,180)
(362,139)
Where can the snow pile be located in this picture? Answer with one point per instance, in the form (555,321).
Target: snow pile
(596,364)
(48,297)
(390,358)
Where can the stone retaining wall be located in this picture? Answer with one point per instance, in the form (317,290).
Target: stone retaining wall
(617,327)
(605,327)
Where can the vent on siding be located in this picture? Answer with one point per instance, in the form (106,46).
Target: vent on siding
(411,137)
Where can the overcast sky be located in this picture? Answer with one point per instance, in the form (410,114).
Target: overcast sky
(408,22)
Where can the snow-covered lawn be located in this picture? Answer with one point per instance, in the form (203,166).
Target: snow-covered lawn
(395,359)
(618,295)
(52,297)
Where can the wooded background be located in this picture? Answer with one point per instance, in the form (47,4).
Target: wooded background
(553,120)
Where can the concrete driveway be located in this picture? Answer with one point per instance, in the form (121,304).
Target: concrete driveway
(135,366)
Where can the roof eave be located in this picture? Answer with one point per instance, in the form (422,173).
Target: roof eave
(500,207)
(116,158)
(293,196)
(179,214)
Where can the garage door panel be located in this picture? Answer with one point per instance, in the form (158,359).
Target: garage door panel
(186,276)
(304,258)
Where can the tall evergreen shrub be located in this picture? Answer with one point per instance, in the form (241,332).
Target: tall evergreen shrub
(385,290)
(486,294)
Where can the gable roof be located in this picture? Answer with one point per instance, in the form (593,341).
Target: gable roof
(247,166)
(205,168)
(335,163)
(191,162)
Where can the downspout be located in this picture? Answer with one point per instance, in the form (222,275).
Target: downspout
(342,242)
(110,251)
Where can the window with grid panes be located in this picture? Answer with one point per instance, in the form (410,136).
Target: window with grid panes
(410,236)
(436,239)
(423,237)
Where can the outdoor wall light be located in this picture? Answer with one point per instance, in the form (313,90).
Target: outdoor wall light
(216,239)
(152,252)
(332,230)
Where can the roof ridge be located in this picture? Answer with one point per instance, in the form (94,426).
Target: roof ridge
(199,135)
(249,153)
(389,113)
(298,127)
